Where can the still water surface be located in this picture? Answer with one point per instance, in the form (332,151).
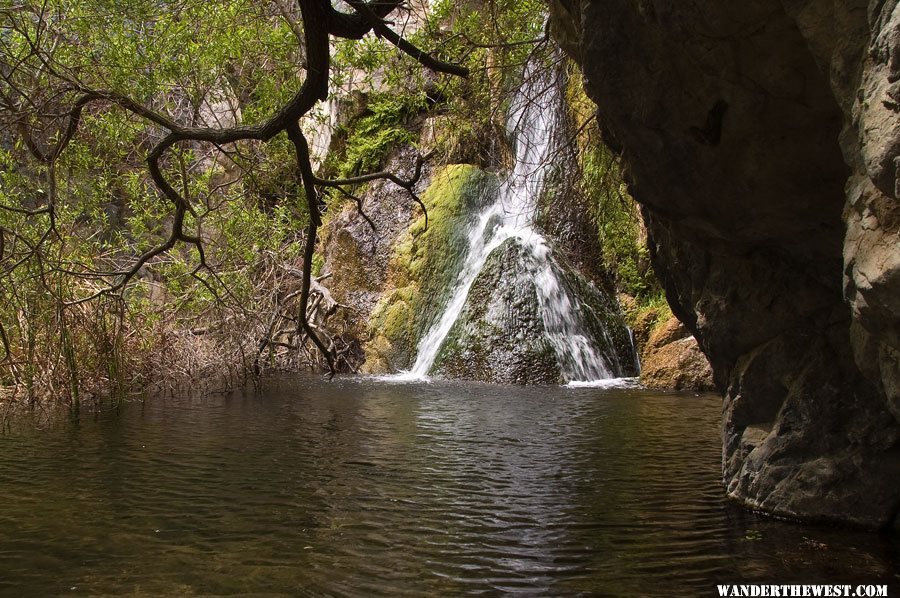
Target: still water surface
(361,487)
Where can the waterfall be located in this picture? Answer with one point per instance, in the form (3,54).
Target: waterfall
(535,125)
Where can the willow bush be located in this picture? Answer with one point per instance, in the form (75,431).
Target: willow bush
(67,225)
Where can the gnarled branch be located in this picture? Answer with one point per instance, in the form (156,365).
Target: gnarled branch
(319,21)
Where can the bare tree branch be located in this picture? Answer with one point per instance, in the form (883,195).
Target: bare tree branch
(381,29)
(409,184)
(315,220)
(318,21)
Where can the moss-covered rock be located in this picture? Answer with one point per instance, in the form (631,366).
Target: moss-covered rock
(355,255)
(499,336)
(600,206)
(604,320)
(424,263)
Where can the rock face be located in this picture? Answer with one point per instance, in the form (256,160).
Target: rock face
(761,139)
(356,255)
(501,337)
(672,359)
(394,273)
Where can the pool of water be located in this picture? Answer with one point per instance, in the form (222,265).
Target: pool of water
(362,487)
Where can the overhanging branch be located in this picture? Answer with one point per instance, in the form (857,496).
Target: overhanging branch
(319,20)
(425,59)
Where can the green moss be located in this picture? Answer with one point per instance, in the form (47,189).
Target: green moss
(380,126)
(425,261)
(655,307)
(645,317)
(317,263)
(391,321)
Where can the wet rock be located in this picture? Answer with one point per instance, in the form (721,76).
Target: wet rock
(419,265)
(356,255)
(499,336)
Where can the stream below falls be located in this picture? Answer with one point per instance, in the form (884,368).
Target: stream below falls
(361,487)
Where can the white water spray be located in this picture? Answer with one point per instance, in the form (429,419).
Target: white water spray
(535,125)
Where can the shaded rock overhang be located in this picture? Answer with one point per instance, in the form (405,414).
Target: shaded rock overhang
(761,140)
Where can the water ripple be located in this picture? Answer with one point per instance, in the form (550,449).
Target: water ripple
(359,488)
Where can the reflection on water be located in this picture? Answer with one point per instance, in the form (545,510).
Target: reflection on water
(360,487)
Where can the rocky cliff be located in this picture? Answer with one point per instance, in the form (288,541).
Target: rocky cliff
(761,139)
(502,277)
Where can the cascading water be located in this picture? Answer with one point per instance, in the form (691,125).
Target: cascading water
(535,125)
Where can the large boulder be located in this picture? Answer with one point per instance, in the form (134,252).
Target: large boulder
(672,360)
(501,336)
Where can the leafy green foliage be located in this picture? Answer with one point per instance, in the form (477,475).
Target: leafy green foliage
(200,64)
(618,223)
(494,39)
(216,63)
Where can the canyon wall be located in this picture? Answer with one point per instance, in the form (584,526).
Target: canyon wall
(761,139)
